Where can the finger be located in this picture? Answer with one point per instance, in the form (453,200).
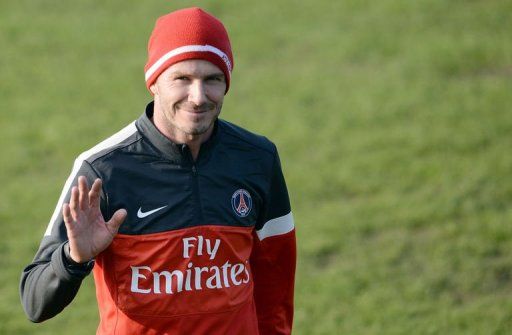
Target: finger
(68,219)
(66,214)
(83,193)
(94,194)
(73,203)
(116,220)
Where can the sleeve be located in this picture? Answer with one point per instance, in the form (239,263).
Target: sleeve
(52,280)
(273,259)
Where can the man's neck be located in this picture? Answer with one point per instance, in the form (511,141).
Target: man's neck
(177,136)
(192,141)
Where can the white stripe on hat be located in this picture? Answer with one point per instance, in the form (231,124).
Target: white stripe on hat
(184,49)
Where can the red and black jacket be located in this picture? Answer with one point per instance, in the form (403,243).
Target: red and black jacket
(208,246)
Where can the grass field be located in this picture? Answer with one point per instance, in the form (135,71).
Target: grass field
(394,124)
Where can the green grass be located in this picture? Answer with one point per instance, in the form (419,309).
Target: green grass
(394,124)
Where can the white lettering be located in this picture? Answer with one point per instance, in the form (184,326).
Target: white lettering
(187,277)
(225,273)
(203,245)
(198,276)
(235,271)
(216,277)
(168,281)
(246,280)
(200,247)
(187,245)
(209,250)
(190,279)
(135,279)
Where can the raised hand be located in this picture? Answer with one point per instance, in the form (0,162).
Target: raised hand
(88,233)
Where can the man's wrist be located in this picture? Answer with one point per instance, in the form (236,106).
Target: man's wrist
(70,261)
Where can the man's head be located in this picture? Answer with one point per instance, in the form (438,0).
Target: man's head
(189,33)
(188,99)
(188,72)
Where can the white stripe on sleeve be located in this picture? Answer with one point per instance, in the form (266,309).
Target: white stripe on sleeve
(109,142)
(277,226)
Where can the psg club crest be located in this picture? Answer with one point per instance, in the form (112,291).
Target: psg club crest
(241,202)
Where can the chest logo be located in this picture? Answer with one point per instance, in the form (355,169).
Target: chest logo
(241,202)
(141,214)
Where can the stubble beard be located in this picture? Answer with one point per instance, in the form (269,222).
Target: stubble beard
(197,129)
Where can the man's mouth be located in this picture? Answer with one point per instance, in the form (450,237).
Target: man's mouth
(195,111)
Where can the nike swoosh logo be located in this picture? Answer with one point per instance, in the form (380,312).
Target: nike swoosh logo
(141,214)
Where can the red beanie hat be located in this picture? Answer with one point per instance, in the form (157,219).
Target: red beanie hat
(189,33)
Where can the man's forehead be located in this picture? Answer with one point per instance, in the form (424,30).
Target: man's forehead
(194,66)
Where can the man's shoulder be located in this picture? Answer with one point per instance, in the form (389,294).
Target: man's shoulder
(120,139)
(237,135)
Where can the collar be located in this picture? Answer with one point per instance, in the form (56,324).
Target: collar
(176,152)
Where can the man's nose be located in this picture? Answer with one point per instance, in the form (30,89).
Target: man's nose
(197,93)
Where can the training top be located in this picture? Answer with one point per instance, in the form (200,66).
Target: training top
(208,246)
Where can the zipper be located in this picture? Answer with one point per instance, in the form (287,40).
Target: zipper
(197,196)
(198,208)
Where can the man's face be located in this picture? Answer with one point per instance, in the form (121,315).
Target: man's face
(188,96)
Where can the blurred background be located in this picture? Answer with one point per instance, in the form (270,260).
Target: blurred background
(393,120)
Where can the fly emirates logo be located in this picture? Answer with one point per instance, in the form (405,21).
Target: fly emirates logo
(194,278)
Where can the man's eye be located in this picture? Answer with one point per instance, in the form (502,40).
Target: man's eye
(181,78)
(216,78)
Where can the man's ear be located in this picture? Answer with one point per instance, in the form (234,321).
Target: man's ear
(153,89)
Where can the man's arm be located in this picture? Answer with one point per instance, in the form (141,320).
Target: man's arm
(52,280)
(273,259)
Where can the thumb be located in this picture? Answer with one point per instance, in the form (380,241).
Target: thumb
(116,220)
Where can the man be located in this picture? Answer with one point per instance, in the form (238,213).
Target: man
(184,218)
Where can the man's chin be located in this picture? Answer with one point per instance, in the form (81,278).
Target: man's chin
(197,130)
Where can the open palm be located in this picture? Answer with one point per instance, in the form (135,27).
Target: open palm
(88,233)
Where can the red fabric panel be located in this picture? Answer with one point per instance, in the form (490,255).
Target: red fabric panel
(195,280)
(273,264)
